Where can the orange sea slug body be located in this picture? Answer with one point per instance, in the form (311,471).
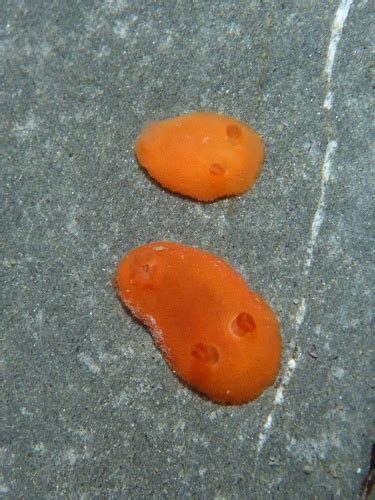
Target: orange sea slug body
(202,155)
(218,335)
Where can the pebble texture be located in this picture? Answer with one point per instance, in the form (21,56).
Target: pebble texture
(91,409)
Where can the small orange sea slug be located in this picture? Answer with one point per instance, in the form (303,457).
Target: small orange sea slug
(219,336)
(201,155)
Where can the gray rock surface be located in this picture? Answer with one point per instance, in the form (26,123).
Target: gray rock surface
(91,408)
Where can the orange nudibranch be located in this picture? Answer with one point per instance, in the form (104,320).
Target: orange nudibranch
(201,155)
(218,335)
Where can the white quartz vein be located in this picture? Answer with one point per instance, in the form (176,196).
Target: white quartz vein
(320,211)
(336,32)
(318,218)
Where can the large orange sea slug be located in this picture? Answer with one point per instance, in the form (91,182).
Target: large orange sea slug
(219,336)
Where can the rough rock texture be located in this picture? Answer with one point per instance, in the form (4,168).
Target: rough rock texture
(91,409)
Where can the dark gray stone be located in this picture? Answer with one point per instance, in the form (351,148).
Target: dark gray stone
(91,409)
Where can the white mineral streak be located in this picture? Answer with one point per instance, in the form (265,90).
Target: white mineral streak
(318,218)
